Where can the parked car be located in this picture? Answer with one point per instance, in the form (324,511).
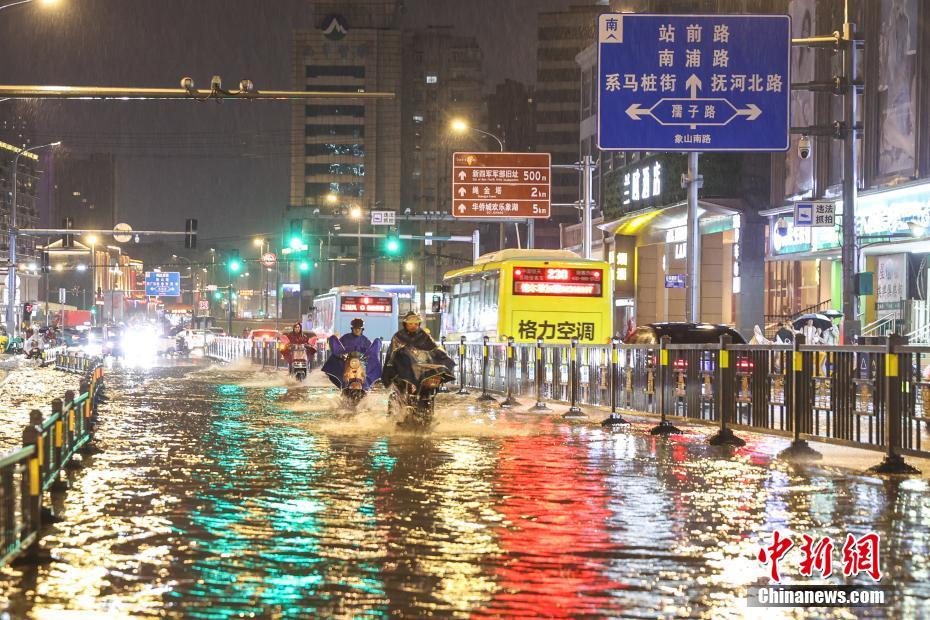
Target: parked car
(688,333)
(683,333)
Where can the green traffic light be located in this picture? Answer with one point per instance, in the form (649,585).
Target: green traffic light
(392,245)
(217,295)
(304,266)
(296,243)
(235,266)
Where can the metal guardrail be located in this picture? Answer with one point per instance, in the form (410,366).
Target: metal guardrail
(873,397)
(49,447)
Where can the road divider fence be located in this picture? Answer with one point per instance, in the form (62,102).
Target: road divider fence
(49,447)
(868,396)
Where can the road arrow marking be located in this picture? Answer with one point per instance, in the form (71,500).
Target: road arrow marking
(634,111)
(462,175)
(751,112)
(462,191)
(693,84)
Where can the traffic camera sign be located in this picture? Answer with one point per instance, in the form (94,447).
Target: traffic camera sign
(501,185)
(269,259)
(693,82)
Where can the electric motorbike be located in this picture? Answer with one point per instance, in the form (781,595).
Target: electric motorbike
(353,372)
(298,367)
(417,378)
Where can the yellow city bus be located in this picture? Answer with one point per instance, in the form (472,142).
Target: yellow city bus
(530,294)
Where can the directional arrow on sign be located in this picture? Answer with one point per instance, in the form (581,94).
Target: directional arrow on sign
(693,84)
(634,111)
(462,191)
(751,112)
(462,175)
(462,208)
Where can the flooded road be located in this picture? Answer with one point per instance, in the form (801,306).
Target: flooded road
(228,493)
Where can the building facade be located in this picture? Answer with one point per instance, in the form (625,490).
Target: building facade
(512,115)
(84,190)
(560,37)
(803,264)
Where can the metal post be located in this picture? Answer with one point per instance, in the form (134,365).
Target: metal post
(462,389)
(850,251)
(693,182)
(574,411)
(540,405)
(614,419)
(485,364)
(442,345)
(587,183)
(229,316)
(32,484)
(799,450)
(724,401)
(510,377)
(664,427)
(894,463)
(358,262)
(11,322)
(530,233)
(475,246)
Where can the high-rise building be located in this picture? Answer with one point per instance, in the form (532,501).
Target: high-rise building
(512,115)
(561,35)
(84,189)
(443,80)
(346,153)
(350,148)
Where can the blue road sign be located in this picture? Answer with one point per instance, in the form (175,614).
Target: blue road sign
(803,214)
(678,280)
(163,283)
(693,82)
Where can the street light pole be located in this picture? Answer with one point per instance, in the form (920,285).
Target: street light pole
(14,233)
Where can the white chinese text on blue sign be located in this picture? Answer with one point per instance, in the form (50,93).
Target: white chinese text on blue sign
(693,82)
(163,284)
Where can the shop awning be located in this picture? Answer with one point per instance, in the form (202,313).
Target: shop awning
(671,216)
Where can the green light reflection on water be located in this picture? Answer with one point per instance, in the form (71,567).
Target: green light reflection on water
(261,516)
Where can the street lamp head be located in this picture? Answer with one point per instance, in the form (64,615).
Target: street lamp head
(356,213)
(92,239)
(408,265)
(174,256)
(59,142)
(48,2)
(458,125)
(258,242)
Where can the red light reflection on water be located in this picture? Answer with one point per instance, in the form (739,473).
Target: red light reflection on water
(556,544)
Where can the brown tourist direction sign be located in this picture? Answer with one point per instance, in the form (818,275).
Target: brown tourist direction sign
(501,185)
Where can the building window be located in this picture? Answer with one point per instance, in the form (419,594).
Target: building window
(354,71)
(353,150)
(354,131)
(321,190)
(432,79)
(417,118)
(357,170)
(355,111)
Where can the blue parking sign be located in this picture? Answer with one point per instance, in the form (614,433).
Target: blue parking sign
(693,82)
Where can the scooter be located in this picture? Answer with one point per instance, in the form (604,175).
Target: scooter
(419,375)
(298,366)
(351,371)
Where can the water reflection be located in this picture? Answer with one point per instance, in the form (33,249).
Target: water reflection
(229,493)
